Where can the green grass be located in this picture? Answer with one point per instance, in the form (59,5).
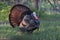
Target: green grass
(4,11)
(49,27)
(49,30)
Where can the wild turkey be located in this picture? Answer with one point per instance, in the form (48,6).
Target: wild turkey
(16,17)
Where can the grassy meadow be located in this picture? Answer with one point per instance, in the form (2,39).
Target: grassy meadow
(49,30)
(49,27)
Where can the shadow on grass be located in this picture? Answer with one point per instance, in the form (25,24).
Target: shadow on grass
(25,36)
(47,34)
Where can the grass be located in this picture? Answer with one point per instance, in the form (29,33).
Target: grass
(49,27)
(49,30)
(4,11)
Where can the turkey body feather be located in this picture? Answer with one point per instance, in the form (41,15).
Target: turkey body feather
(17,13)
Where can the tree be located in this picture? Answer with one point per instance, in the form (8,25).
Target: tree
(36,4)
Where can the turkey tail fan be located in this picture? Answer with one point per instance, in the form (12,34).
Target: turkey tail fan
(17,13)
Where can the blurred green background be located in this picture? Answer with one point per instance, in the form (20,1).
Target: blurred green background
(48,12)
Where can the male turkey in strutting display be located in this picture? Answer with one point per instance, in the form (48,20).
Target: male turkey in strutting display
(24,18)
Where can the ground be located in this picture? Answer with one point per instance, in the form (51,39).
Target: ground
(49,27)
(49,30)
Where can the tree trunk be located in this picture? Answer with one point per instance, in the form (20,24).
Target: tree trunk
(36,4)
